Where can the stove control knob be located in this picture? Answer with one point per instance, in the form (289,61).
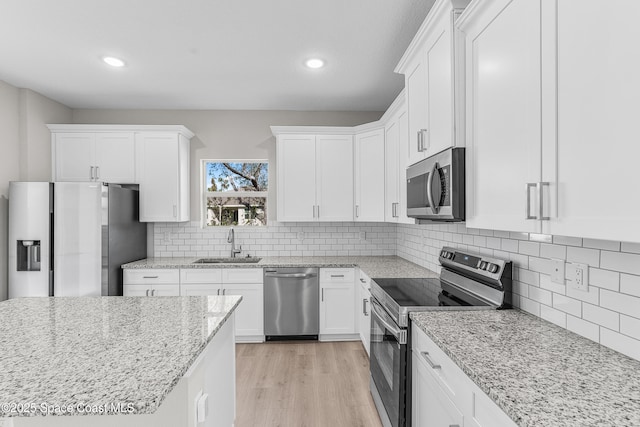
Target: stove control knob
(483,265)
(493,268)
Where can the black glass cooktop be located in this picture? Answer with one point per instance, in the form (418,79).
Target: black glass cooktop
(426,293)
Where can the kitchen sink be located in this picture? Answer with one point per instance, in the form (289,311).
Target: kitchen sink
(252,260)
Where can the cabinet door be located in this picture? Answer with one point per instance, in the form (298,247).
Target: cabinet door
(136,290)
(168,290)
(597,113)
(504,118)
(115,157)
(430,405)
(336,308)
(391,171)
(369,176)
(74,157)
(334,177)
(439,134)
(365,317)
(296,178)
(416,83)
(158,167)
(249,314)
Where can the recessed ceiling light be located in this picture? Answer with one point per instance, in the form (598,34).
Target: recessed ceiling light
(314,63)
(114,62)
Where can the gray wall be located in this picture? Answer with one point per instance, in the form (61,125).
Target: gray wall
(227,134)
(25,149)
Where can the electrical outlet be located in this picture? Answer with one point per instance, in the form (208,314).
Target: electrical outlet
(579,277)
(557,271)
(167,238)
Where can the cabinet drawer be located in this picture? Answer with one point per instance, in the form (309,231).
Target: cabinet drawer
(337,275)
(201,275)
(242,275)
(145,277)
(448,374)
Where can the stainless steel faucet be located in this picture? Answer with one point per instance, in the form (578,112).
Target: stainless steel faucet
(231,238)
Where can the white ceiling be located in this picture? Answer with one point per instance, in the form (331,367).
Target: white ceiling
(209,54)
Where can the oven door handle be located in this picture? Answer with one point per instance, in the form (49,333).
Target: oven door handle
(380,315)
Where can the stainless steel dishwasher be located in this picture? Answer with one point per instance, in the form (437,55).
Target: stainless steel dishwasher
(291,303)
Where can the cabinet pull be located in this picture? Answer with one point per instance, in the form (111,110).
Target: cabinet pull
(357,211)
(224,292)
(429,361)
(363,281)
(149,277)
(318,211)
(528,188)
(425,133)
(97,172)
(541,186)
(147,292)
(364,306)
(91,172)
(337,275)
(175,211)
(322,292)
(419,142)
(218,292)
(314,211)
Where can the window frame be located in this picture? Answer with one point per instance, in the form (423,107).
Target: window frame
(204,194)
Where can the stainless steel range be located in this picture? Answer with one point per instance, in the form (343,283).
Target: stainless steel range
(467,282)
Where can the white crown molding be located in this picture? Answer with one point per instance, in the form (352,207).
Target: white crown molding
(71,128)
(440,7)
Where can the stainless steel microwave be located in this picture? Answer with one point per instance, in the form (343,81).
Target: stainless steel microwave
(435,187)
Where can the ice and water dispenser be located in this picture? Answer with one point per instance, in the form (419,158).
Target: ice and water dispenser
(28,255)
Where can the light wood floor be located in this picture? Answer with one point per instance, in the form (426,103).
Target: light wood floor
(309,384)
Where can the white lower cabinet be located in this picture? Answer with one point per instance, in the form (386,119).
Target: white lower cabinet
(337,297)
(363,307)
(247,282)
(443,396)
(151,283)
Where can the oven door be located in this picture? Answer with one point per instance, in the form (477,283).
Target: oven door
(389,363)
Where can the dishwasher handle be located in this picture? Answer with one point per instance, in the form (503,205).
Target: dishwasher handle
(290,275)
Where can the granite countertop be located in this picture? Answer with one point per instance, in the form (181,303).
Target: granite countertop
(373,266)
(99,350)
(537,372)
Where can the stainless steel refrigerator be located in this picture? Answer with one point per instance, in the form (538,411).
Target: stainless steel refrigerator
(70,238)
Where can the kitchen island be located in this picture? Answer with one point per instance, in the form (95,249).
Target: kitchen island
(123,361)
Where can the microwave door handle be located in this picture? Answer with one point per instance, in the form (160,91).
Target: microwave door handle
(430,198)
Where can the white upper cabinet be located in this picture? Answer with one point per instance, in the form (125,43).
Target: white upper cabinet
(433,66)
(597,113)
(544,116)
(369,176)
(163,169)
(396,145)
(503,112)
(83,154)
(315,176)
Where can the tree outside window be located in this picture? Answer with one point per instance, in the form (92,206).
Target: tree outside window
(235,192)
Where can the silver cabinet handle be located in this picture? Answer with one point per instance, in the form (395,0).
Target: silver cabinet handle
(364,306)
(91,172)
(429,361)
(153,292)
(318,211)
(97,172)
(224,292)
(175,211)
(541,185)
(363,281)
(218,291)
(147,293)
(337,275)
(528,188)
(419,142)
(394,210)
(290,275)
(149,277)
(322,296)
(357,211)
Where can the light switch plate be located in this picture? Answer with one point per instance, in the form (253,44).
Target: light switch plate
(557,271)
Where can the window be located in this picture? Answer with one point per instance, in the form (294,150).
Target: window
(235,192)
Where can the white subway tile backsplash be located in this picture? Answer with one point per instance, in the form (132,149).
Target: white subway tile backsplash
(621,261)
(568,305)
(556,288)
(591,295)
(582,327)
(540,295)
(624,304)
(622,343)
(554,316)
(630,326)
(630,284)
(553,251)
(530,306)
(567,241)
(631,247)
(529,248)
(606,245)
(583,256)
(604,279)
(542,238)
